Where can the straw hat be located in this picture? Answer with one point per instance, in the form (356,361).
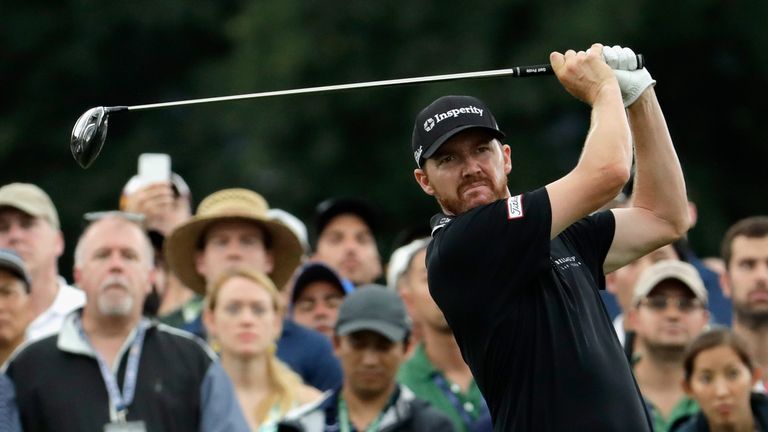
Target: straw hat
(182,245)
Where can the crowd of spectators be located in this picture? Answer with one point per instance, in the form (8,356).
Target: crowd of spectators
(237,317)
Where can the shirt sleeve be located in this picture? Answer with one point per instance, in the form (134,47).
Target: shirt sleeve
(9,411)
(592,237)
(220,410)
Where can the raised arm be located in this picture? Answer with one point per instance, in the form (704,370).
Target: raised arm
(605,162)
(658,213)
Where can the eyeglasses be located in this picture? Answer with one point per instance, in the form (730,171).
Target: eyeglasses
(683,304)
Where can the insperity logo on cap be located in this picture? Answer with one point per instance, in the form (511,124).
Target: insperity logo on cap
(444,118)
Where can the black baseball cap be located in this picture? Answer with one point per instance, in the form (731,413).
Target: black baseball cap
(376,308)
(446,117)
(330,208)
(12,263)
(317,271)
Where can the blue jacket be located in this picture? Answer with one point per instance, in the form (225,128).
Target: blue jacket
(309,354)
(9,413)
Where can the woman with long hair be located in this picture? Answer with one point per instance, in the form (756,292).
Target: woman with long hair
(720,375)
(243,316)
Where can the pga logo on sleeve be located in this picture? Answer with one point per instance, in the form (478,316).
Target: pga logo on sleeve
(515,207)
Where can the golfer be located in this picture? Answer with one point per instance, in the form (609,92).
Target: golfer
(518,276)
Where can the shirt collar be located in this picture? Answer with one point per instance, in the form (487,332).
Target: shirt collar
(71,340)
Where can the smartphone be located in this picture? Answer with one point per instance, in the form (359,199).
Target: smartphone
(154,167)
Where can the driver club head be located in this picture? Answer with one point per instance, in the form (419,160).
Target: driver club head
(88,135)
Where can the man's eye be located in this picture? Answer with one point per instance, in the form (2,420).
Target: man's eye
(747,264)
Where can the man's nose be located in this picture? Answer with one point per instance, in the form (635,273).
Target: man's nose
(761,272)
(470,166)
(116,262)
(234,250)
(370,356)
(15,232)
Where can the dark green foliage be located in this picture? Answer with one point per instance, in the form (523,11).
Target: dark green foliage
(60,58)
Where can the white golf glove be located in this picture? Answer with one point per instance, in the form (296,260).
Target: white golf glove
(632,81)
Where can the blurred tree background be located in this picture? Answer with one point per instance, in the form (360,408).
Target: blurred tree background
(60,58)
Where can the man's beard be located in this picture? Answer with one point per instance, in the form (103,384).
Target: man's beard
(109,307)
(457,206)
(748,317)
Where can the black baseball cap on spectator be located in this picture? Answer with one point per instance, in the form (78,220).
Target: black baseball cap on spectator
(444,118)
(12,263)
(375,308)
(330,208)
(317,271)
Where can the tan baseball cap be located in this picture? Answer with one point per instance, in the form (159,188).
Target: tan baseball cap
(31,200)
(669,269)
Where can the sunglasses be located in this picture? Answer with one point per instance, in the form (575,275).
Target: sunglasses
(98,215)
(660,303)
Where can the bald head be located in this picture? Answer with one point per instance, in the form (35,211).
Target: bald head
(114,267)
(108,225)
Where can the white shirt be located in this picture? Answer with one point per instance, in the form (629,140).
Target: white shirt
(49,322)
(618,325)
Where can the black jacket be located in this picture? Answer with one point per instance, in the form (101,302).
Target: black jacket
(180,387)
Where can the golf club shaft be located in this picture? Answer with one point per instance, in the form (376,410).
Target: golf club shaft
(518,71)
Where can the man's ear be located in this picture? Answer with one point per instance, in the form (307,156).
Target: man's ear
(631,319)
(77,275)
(59,246)
(506,151)
(757,375)
(725,285)
(423,180)
(269,263)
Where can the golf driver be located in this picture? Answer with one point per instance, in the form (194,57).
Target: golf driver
(90,130)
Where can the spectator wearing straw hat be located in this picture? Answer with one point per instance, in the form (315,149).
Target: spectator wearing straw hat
(231,229)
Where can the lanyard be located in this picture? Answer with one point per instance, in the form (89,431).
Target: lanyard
(442,384)
(344,423)
(120,400)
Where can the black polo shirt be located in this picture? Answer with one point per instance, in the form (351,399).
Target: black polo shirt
(528,318)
